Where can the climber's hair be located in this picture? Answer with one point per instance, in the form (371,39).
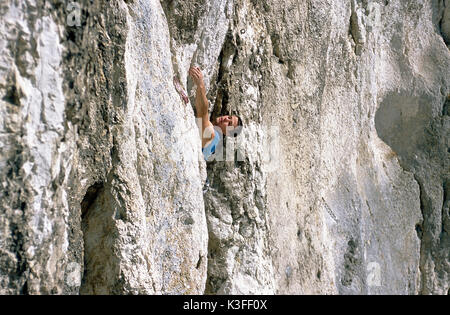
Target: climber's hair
(238,128)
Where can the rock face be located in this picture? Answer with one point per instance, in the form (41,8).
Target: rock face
(102,193)
(340,181)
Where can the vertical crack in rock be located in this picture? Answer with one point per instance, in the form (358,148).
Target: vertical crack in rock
(420,234)
(238,259)
(446,107)
(357,30)
(445,233)
(225,62)
(89,198)
(94,235)
(444,22)
(216,276)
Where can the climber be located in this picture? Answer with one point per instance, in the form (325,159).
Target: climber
(211,131)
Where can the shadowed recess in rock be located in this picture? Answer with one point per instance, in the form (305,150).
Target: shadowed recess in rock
(98,242)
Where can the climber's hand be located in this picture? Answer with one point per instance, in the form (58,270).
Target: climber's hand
(197,76)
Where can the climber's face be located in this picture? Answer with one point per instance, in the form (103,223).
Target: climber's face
(224,121)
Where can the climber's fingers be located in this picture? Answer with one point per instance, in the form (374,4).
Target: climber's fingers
(199,72)
(196,75)
(195,72)
(200,75)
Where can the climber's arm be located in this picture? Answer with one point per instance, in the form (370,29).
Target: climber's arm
(201,106)
(201,102)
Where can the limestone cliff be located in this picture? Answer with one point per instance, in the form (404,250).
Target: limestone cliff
(340,181)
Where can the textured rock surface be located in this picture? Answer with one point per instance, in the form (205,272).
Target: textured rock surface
(341,212)
(100,189)
(343,186)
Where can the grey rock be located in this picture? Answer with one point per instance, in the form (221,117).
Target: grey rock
(341,182)
(91,181)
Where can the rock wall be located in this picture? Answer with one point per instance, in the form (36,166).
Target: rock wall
(341,181)
(102,193)
(339,212)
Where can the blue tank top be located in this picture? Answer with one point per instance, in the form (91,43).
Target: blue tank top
(210,149)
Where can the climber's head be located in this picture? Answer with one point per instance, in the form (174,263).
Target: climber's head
(231,126)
